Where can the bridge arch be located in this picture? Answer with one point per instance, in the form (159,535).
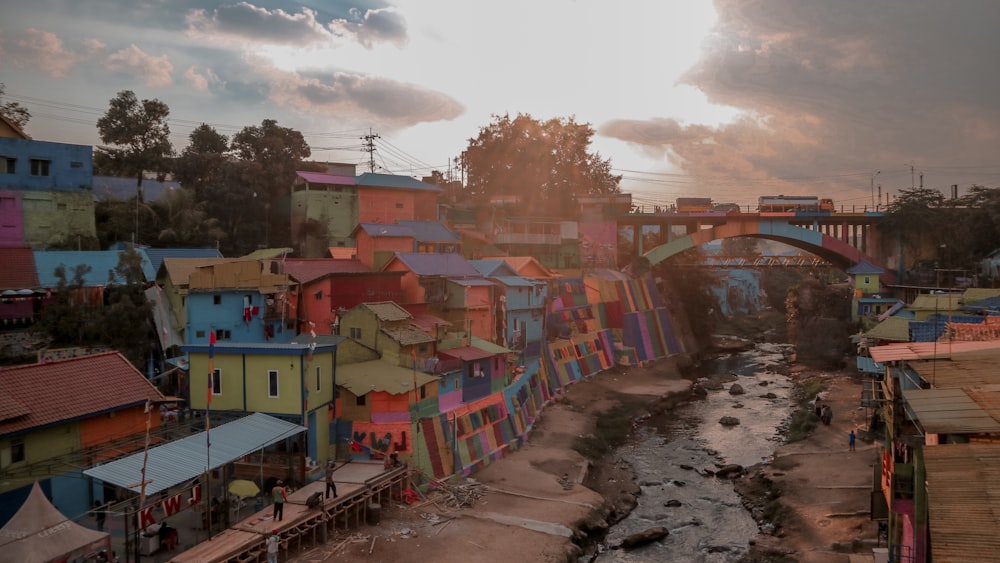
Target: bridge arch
(838,252)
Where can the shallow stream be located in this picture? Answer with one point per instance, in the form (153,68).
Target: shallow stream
(704,515)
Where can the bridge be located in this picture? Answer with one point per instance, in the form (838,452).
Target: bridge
(841,239)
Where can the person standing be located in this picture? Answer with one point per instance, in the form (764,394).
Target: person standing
(330,485)
(272,546)
(100,515)
(279,496)
(850,440)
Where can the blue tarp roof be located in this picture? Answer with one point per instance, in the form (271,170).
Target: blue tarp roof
(100,261)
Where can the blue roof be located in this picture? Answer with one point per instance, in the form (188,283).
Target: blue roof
(990,304)
(101,262)
(155,256)
(431,231)
(386,230)
(865,267)
(516,281)
(493,268)
(446,265)
(393,181)
(472,282)
(108,187)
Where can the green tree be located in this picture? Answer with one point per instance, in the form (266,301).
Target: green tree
(125,321)
(271,154)
(545,164)
(201,162)
(13,110)
(64,321)
(139,135)
(183,222)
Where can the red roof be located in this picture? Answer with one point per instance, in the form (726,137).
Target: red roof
(466,353)
(39,395)
(308,269)
(19,270)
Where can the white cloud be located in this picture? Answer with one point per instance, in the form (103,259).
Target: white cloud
(249,23)
(153,71)
(201,80)
(38,49)
(372,27)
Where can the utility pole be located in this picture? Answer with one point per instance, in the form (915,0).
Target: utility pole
(369,140)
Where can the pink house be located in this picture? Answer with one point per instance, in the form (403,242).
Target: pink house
(387,198)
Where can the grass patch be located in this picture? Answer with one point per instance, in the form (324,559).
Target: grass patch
(804,420)
(612,427)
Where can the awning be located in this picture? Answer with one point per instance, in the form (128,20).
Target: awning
(185,459)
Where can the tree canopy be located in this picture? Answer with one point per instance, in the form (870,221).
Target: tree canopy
(139,135)
(545,164)
(13,110)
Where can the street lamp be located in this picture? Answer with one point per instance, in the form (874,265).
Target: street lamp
(877,172)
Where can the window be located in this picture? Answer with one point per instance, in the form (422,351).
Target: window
(361,400)
(868,280)
(319,295)
(223,334)
(217,381)
(272,383)
(355,332)
(216,300)
(199,334)
(423,391)
(7,165)
(40,167)
(319,379)
(17,450)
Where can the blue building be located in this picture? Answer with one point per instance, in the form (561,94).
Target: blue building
(46,193)
(520,306)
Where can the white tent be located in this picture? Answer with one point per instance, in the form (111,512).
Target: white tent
(39,533)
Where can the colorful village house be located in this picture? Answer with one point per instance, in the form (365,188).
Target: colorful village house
(470,303)
(425,278)
(519,308)
(390,198)
(324,209)
(173,278)
(293,381)
(940,444)
(528,267)
(21,295)
(866,301)
(384,330)
(241,301)
(554,242)
(377,399)
(46,189)
(98,268)
(378,242)
(330,287)
(62,416)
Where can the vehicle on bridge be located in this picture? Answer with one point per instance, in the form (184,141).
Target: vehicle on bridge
(694,204)
(793,203)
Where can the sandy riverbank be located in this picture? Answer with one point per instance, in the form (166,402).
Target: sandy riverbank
(526,511)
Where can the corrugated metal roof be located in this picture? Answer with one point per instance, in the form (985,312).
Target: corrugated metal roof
(926,350)
(973,294)
(964,501)
(387,311)
(472,282)
(959,368)
(437,264)
(407,335)
(101,263)
(185,459)
(514,281)
(306,270)
(378,375)
(323,178)
(896,329)
(493,268)
(431,231)
(467,353)
(371,179)
(937,302)
(19,270)
(950,411)
(157,255)
(476,342)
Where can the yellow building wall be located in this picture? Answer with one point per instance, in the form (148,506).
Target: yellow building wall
(56,217)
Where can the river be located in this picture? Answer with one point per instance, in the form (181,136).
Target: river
(705,517)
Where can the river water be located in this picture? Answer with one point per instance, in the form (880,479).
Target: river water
(704,515)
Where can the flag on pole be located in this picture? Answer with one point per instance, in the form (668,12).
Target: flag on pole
(211,366)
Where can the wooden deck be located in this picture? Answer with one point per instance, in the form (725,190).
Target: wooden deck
(359,485)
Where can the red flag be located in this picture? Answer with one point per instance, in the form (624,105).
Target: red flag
(211,365)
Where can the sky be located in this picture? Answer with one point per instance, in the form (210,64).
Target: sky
(727,99)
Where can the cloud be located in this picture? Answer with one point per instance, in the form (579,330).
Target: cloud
(832,91)
(201,80)
(249,23)
(363,97)
(374,26)
(153,71)
(43,50)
